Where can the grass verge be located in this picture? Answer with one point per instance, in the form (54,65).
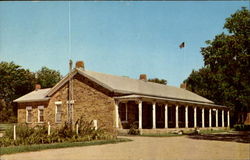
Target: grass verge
(38,147)
(161,135)
(209,131)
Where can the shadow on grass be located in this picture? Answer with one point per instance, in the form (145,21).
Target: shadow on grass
(241,137)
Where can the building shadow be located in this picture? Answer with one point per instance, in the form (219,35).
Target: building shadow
(241,137)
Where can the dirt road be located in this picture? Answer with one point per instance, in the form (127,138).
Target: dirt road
(145,148)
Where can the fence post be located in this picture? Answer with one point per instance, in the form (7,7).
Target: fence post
(95,124)
(48,128)
(77,128)
(14,132)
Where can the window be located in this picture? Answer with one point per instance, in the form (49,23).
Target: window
(58,113)
(40,114)
(29,114)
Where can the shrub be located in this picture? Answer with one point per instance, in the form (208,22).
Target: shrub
(242,127)
(39,134)
(133,130)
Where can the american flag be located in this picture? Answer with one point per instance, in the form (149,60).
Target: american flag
(182,45)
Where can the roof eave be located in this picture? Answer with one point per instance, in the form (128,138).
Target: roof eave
(32,100)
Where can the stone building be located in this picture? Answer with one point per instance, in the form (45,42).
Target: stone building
(116,102)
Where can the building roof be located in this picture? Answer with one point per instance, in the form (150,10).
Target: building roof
(127,85)
(122,85)
(36,95)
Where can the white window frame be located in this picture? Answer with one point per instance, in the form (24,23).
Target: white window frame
(27,113)
(40,108)
(56,105)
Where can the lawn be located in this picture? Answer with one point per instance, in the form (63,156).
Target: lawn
(4,126)
(38,147)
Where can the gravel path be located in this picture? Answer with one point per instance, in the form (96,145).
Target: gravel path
(145,148)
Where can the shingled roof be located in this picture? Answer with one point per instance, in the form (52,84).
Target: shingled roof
(122,85)
(37,95)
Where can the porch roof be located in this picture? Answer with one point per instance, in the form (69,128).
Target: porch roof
(139,97)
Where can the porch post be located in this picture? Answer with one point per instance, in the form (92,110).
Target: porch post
(140,114)
(228,119)
(176,117)
(166,115)
(154,117)
(186,116)
(203,118)
(222,118)
(210,117)
(116,114)
(216,117)
(195,117)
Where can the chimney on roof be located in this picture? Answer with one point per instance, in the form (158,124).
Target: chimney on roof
(37,87)
(183,86)
(143,77)
(80,65)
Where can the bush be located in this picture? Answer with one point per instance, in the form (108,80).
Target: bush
(242,127)
(133,130)
(39,134)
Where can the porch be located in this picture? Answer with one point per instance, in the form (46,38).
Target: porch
(160,113)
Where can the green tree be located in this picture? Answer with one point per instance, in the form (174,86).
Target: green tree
(227,65)
(47,77)
(14,82)
(157,80)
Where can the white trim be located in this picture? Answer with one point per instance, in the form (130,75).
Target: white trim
(56,113)
(38,113)
(28,108)
(71,102)
(40,107)
(58,102)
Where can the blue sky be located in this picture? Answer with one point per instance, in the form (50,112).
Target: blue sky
(121,38)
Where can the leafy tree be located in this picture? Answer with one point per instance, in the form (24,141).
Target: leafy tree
(14,82)
(47,77)
(225,77)
(156,80)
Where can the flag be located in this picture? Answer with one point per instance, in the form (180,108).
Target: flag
(182,45)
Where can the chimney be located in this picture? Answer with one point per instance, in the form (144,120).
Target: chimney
(183,86)
(80,65)
(37,87)
(143,77)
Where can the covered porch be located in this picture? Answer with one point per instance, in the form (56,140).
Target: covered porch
(164,113)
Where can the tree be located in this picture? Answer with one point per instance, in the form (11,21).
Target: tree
(14,82)
(47,77)
(227,65)
(156,80)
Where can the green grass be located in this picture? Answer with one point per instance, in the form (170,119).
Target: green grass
(38,147)
(161,135)
(209,131)
(4,126)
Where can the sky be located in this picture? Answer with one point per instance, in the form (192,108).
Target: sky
(125,38)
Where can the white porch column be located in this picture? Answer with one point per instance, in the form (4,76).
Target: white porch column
(176,117)
(195,117)
(154,117)
(116,114)
(203,117)
(140,114)
(228,119)
(166,115)
(186,116)
(216,117)
(210,117)
(222,118)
